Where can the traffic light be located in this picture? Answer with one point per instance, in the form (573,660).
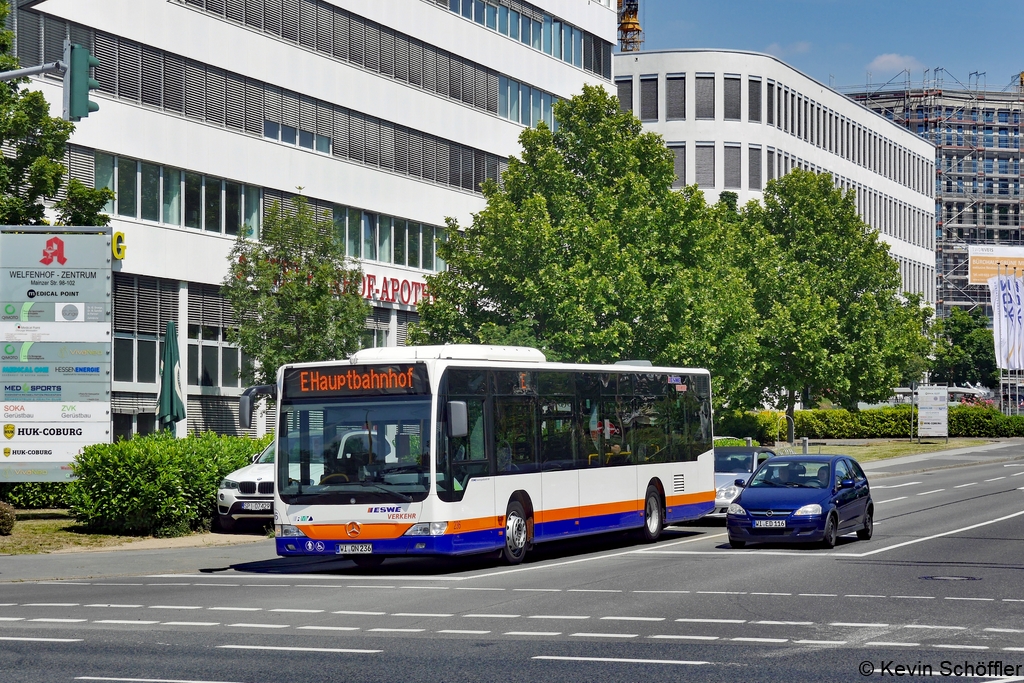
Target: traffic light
(77,82)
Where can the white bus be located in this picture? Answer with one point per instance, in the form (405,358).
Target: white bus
(453,450)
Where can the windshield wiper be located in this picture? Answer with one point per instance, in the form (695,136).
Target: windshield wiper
(367,484)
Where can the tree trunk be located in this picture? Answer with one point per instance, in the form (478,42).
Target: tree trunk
(790,410)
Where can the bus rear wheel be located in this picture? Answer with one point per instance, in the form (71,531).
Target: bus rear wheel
(516,537)
(654,520)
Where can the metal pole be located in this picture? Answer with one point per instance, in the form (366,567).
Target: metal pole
(750,442)
(803,442)
(51,68)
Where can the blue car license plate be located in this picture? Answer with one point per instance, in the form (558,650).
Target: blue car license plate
(761,523)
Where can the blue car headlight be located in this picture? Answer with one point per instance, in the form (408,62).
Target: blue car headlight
(812,510)
(736,509)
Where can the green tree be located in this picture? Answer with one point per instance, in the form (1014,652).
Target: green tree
(585,251)
(295,295)
(833,321)
(964,349)
(34,170)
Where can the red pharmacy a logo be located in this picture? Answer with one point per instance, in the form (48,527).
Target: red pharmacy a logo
(54,249)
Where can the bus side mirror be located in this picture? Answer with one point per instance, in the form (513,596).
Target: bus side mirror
(245,402)
(458,419)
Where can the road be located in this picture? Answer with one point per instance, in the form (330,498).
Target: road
(939,582)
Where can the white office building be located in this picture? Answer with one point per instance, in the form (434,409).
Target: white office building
(387,114)
(736,120)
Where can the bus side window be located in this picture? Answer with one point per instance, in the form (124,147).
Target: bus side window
(514,431)
(467,457)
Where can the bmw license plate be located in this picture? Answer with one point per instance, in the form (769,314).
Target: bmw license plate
(258,507)
(769,523)
(355,548)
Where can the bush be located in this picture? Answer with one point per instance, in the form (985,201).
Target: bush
(6,519)
(155,484)
(35,496)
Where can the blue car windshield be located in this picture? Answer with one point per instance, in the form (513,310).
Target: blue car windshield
(793,474)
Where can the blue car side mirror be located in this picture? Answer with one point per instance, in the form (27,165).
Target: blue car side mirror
(740,482)
(846,484)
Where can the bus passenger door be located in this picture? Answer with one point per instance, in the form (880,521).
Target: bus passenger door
(559,476)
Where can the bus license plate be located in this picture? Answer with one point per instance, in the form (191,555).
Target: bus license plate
(258,507)
(355,549)
(769,522)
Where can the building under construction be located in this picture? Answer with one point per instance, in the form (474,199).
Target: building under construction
(978,153)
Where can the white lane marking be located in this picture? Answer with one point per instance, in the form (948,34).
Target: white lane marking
(61,621)
(123,621)
(995,479)
(896,486)
(972,599)
(281,648)
(713,621)
(427,588)
(914,597)
(586,559)
(927,493)
(328,628)
(771,593)
(602,635)
(43,640)
(819,642)
(420,614)
(142,680)
(721,592)
(620,660)
(360,614)
(375,586)
(556,616)
(470,588)
(466,633)
(537,590)
(633,618)
(944,533)
(760,640)
(1017,474)
(674,637)
(168,584)
(61,583)
(962,486)
(1013,649)
(1011,600)
(1014,464)
(929,626)
(50,604)
(592,590)
(12,618)
(673,592)
(10,604)
(236,609)
(785,623)
(298,611)
(285,585)
(962,647)
(190,623)
(260,625)
(175,607)
(120,584)
(891,500)
(857,624)
(490,616)
(1003,630)
(856,595)
(398,630)
(533,633)
(115,606)
(884,643)
(217,584)
(817,595)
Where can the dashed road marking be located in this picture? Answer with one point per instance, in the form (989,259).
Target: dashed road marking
(50,604)
(819,642)
(281,648)
(856,624)
(856,595)
(420,614)
(60,621)
(713,621)
(397,630)
(260,625)
(42,640)
(490,616)
(467,633)
(928,626)
(1004,630)
(620,660)
(995,479)
(360,614)
(236,609)
(533,633)
(675,637)
(913,597)
(298,611)
(760,640)
(972,599)
(602,635)
(927,493)
(891,500)
(962,647)
(784,623)
(885,643)
(557,616)
(961,486)
(190,623)
(633,618)
(115,606)
(896,486)
(328,628)
(124,621)
(175,607)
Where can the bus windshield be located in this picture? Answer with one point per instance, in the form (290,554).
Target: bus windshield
(355,450)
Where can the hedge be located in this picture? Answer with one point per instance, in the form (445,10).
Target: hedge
(877,423)
(34,496)
(7,518)
(155,484)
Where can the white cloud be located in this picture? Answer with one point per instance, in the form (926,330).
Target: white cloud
(798,48)
(892,63)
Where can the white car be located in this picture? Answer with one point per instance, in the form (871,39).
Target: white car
(248,493)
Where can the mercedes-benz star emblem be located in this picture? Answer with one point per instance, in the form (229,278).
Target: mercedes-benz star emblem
(353,529)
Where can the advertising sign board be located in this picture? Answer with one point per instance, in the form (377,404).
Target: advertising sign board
(933,411)
(55,344)
(985,261)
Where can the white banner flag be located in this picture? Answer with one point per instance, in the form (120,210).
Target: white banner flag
(1007,320)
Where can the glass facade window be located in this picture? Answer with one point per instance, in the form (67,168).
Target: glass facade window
(127,187)
(193,200)
(370,236)
(150,192)
(384,239)
(172,196)
(103,169)
(211,204)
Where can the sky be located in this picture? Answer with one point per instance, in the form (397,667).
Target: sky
(838,42)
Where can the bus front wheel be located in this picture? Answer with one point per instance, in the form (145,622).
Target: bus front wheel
(516,537)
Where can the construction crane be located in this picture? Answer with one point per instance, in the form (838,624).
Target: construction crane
(631,36)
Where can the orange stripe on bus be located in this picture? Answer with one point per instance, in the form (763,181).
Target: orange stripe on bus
(463,526)
(366,531)
(610,508)
(690,498)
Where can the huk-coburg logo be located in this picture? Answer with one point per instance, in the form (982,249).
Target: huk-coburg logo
(9,431)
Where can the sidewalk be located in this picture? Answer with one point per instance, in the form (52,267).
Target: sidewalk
(956,457)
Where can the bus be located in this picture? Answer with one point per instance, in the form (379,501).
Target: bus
(463,449)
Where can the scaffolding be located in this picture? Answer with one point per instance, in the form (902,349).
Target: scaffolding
(978,166)
(631,36)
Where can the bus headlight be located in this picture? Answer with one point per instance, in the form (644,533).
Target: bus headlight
(427,529)
(287,531)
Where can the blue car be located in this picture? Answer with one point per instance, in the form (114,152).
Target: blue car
(802,499)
